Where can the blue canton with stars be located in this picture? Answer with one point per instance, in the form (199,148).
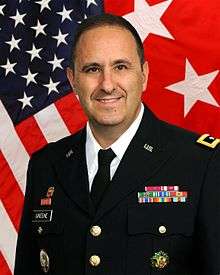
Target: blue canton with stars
(35,42)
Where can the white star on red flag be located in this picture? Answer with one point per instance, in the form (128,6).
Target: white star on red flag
(146,18)
(194,87)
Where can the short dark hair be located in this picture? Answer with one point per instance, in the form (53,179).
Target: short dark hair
(106,19)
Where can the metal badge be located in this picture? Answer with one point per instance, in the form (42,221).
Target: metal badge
(208,141)
(148,147)
(160,260)
(50,192)
(44,261)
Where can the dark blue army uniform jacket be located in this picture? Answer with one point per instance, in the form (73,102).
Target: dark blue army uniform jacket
(55,236)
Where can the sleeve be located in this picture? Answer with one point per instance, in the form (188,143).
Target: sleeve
(26,261)
(207,245)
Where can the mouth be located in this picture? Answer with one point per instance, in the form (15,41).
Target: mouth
(109,100)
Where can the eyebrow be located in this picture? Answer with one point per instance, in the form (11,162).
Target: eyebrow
(122,61)
(115,62)
(88,65)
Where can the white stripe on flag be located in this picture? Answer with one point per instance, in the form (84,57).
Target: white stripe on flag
(8,238)
(51,123)
(11,146)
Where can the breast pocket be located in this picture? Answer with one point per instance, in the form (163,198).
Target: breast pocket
(48,237)
(156,230)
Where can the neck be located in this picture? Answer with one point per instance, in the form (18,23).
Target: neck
(106,135)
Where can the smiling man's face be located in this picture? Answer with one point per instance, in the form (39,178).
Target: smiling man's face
(108,76)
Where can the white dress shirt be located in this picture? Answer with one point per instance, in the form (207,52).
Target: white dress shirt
(119,147)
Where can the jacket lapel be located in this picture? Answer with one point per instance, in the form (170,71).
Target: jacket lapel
(72,173)
(144,157)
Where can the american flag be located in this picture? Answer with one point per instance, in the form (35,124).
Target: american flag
(181,40)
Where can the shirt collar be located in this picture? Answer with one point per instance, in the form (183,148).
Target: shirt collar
(119,146)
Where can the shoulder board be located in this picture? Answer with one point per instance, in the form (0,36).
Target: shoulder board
(208,141)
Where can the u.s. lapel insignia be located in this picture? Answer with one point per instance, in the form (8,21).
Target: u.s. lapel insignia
(160,260)
(148,147)
(44,261)
(49,195)
(208,141)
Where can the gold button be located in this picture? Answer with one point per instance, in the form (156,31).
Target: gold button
(162,229)
(94,260)
(95,230)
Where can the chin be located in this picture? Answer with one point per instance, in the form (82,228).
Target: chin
(108,122)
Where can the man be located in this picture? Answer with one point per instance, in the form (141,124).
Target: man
(129,194)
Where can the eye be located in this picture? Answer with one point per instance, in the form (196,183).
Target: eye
(121,67)
(92,70)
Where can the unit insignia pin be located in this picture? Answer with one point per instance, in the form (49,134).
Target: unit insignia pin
(50,192)
(44,261)
(49,195)
(160,260)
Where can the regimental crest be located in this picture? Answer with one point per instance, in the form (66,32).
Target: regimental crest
(49,195)
(160,260)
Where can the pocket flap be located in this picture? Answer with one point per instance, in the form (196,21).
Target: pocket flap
(161,219)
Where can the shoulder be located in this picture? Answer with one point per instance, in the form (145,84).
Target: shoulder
(191,142)
(62,147)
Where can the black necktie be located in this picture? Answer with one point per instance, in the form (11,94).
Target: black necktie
(102,177)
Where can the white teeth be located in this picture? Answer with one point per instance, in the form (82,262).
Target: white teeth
(108,100)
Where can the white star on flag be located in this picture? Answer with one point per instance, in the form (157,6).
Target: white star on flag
(39,28)
(18,18)
(56,62)
(26,101)
(60,38)
(9,67)
(13,43)
(34,52)
(30,77)
(44,4)
(52,86)
(65,14)
(146,18)
(1,9)
(89,2)
(194,87)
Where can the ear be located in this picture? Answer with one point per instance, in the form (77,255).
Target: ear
(70,76)
(145,72)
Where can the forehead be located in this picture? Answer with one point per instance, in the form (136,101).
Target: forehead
(106,40)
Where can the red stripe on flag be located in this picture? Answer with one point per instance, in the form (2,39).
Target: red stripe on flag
(30,135)
(10,193)
(3,266)
(71,112)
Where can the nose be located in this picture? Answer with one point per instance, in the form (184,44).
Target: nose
(107,82)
